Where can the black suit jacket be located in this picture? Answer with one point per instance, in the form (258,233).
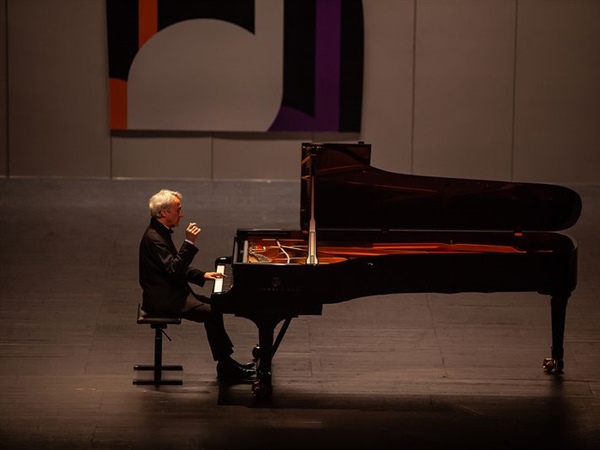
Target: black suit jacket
(164,272)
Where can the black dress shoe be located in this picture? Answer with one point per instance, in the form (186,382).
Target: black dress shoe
(250,365)
(229,371)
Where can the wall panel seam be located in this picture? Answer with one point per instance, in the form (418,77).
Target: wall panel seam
(514,93)
(414,86)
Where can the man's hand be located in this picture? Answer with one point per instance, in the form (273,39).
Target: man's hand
(191,232)
(213,275)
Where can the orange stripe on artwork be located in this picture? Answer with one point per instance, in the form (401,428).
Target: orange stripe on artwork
(148,20)
(118,104)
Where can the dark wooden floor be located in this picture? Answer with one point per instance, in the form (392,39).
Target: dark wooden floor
(424,371)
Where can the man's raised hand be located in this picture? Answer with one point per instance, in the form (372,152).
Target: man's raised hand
(191,232)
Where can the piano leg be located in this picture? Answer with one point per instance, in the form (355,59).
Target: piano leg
(263,386)
(281,334)
(558,305)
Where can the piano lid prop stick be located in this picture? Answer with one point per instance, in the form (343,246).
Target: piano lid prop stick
(312,227)
(312,245)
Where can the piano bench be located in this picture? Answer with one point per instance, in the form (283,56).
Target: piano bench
(159,325)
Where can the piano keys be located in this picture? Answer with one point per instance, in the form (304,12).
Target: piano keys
(364,231)
(223,284)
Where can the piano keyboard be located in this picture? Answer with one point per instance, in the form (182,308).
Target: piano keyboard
(225,283)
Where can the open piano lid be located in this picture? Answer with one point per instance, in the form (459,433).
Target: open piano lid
(350,194)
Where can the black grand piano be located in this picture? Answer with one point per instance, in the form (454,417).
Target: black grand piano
(366,231)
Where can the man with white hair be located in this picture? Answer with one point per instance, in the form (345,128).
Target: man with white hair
(165,273)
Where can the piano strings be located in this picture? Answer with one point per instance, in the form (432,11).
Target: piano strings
(294,251)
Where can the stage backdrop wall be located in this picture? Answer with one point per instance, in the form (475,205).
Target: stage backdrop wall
(497,89)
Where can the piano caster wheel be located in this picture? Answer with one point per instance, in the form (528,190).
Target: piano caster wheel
(262,387)
(256,353)
(553,365)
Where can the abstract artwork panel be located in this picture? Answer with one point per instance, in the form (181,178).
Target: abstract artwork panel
(240,65)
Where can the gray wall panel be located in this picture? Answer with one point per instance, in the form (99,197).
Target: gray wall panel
(3,92)
(388,83)
(239,159)
(557,126)
(161,157)
(464,88)
(58,108)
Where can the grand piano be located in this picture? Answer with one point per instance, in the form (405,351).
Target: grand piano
(365,231)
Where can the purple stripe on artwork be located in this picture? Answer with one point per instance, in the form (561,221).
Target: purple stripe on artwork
(327,76)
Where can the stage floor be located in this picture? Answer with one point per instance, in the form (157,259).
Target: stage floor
(412,371)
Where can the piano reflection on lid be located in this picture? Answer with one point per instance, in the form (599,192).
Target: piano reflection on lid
(365,231)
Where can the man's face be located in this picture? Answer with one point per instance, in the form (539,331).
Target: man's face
(172,214)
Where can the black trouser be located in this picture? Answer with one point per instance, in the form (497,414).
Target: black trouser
(201,312)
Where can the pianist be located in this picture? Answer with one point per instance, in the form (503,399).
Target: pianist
(164,274)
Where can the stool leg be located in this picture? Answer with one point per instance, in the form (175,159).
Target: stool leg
(157,355)
(158,367)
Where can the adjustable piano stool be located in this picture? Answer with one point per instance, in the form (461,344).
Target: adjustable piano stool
(158,324)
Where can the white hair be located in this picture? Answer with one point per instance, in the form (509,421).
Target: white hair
(162,200)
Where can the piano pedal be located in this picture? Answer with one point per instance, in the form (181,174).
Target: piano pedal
(553,365)
(256,353)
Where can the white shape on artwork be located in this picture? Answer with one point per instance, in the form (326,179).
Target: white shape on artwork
(210,75)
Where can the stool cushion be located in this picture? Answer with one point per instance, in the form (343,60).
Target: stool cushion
(153,319)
